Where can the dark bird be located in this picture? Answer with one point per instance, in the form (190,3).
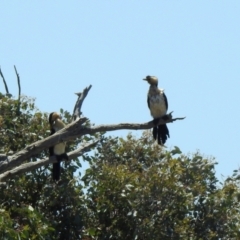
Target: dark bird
(158,105)
(59,149)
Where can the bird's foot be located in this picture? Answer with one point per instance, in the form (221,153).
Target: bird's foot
(155,121)
(167,116)
(61,157)
(65,156)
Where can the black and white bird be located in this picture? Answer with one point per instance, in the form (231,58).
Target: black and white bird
(57,150)
(158,105)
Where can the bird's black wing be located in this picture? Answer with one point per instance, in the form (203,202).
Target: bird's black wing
(56,166)
(51,152)
(148,101)
(166,101)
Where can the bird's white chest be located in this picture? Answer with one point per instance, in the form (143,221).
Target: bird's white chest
(157,105)
(59,148)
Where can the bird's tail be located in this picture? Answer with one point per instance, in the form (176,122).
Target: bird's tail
(155,132)
(56,171)
(57,166)
(161,133)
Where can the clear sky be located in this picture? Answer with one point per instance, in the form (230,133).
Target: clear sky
(193,47)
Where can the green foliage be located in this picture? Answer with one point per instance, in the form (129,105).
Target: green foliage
(33,206)
(133,189)
(140,191)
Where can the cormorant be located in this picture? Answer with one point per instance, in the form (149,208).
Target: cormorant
(158,105)
(59,149)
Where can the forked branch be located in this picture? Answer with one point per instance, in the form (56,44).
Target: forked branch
(71,132)
(12,165)
(77,108)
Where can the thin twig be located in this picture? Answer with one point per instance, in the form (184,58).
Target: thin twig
(5,84)
(19,90)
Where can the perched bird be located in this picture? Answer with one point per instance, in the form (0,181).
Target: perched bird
(158,105)
(59,149)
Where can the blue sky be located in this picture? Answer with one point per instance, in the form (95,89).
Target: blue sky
(193,47)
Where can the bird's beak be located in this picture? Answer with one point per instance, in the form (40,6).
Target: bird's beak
(144,79)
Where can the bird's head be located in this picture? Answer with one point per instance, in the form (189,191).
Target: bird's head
(53,117)
(151,80)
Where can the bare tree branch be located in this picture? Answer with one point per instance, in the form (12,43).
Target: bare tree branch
(72,131)
(34,148)
(19,90)
(18,79)
(5,84)
(34,165)
(77,108)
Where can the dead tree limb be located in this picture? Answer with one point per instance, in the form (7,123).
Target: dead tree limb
(71,132)
(77,108)
(12,165)
(34,165)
